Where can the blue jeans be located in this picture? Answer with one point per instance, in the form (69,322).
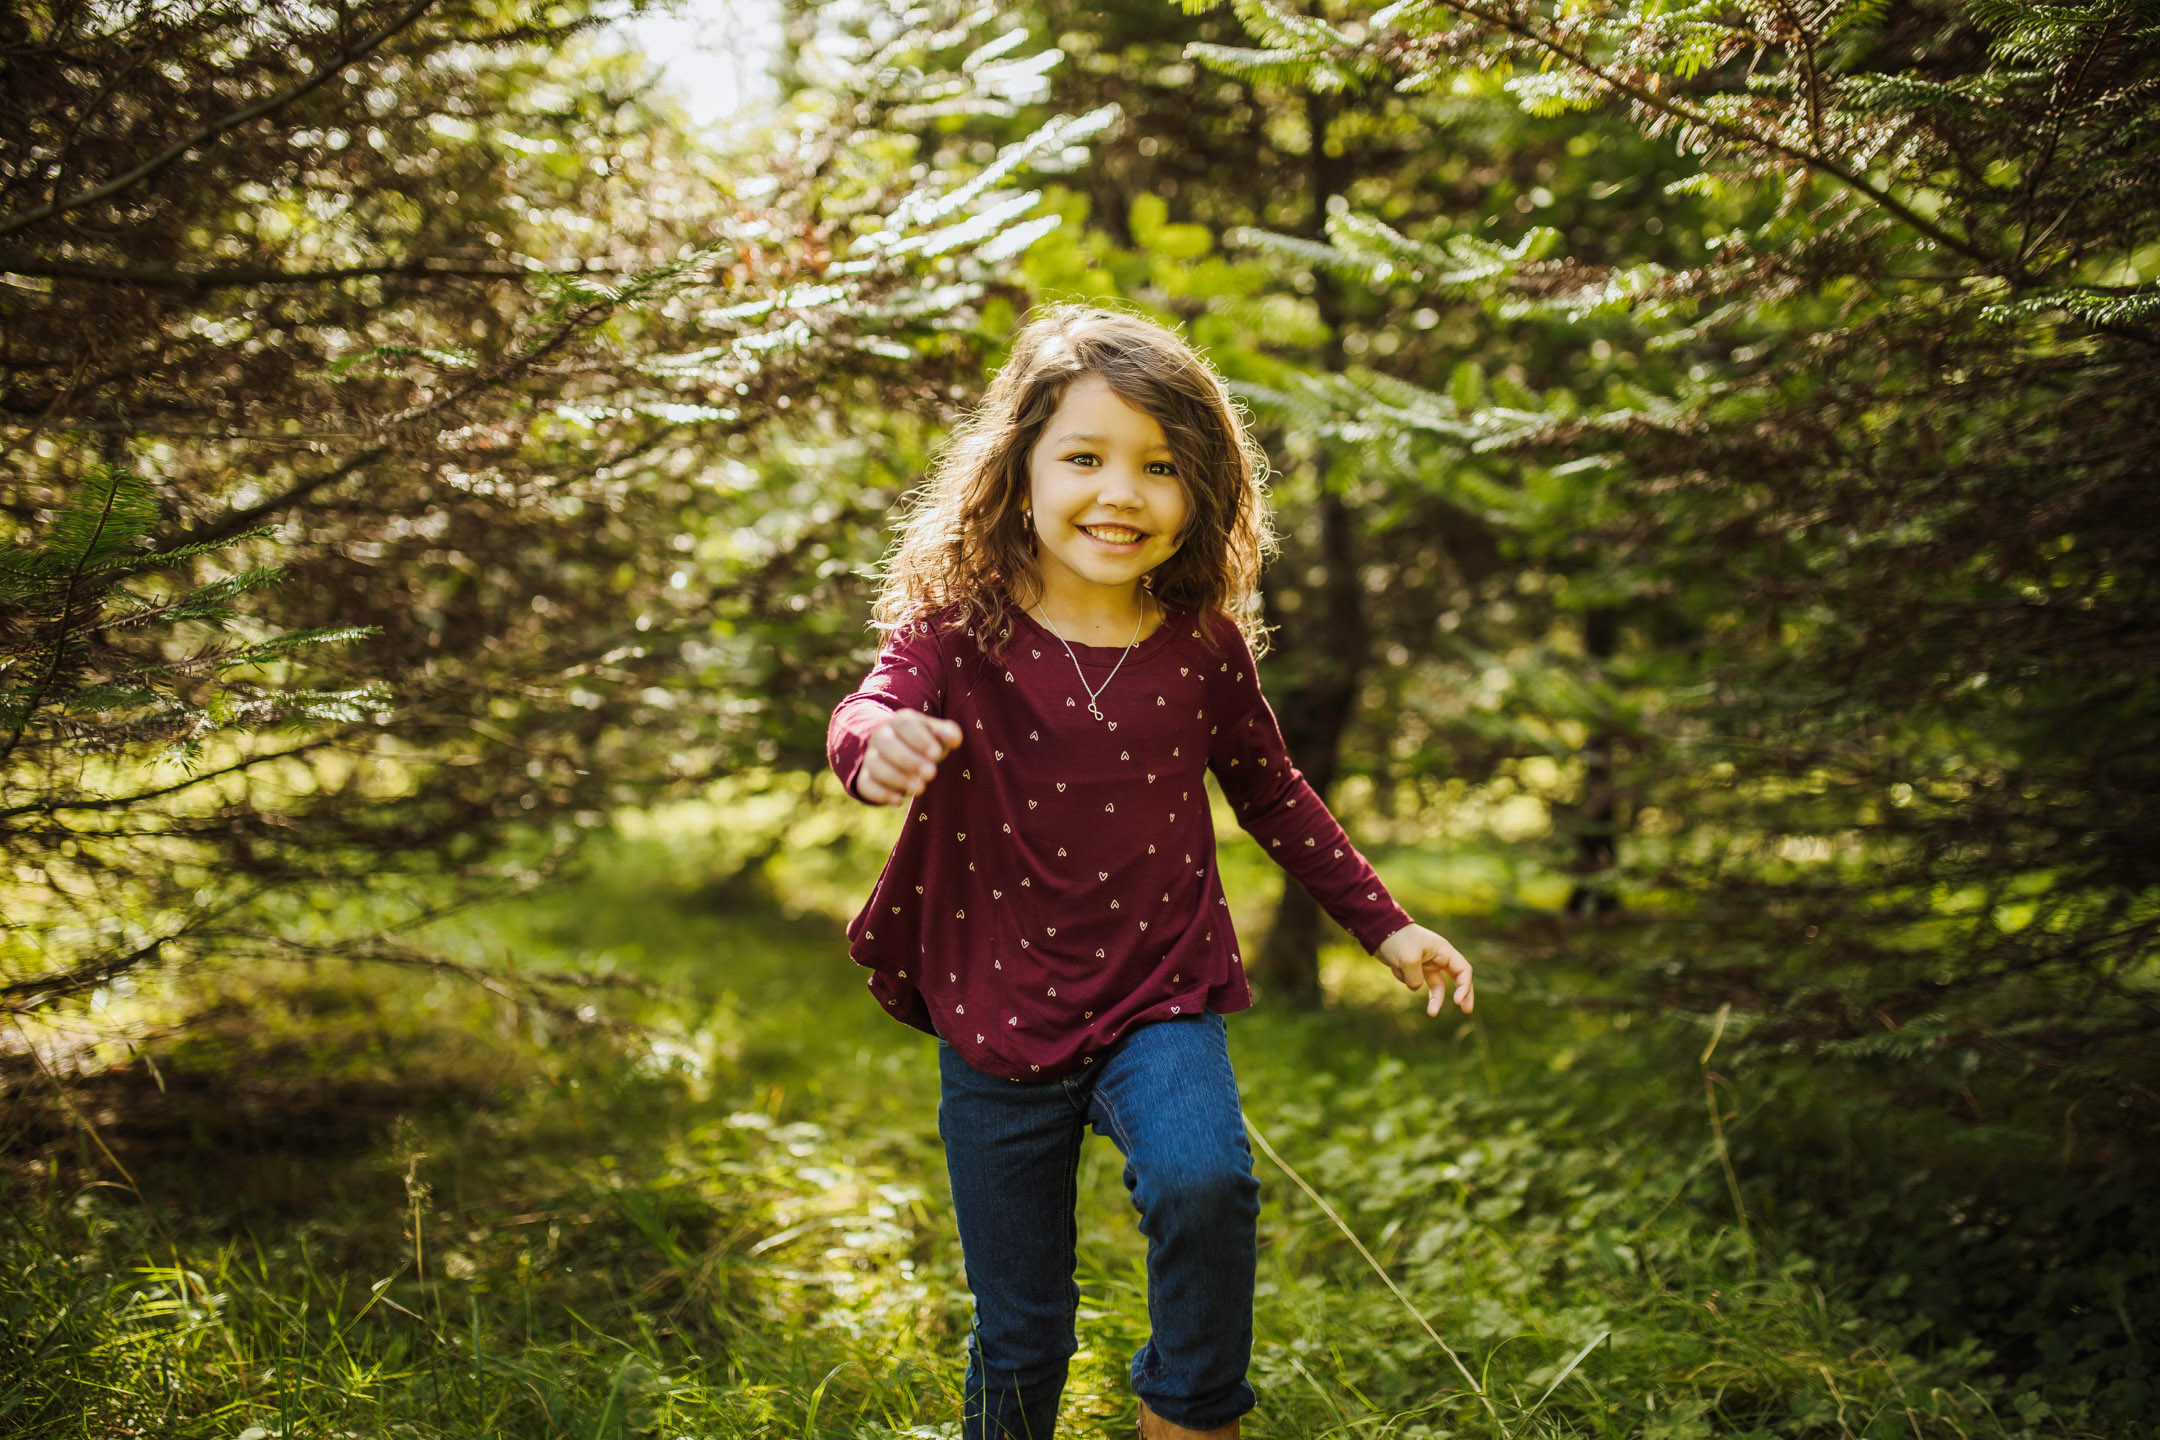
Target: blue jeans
(1166,1097)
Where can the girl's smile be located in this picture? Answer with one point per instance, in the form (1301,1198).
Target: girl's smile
(1107,504)
(1114,537)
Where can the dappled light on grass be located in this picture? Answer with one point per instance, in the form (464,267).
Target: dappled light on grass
(734,1221)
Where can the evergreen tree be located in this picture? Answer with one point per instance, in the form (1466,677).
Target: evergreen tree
(374,385)
(1877,565)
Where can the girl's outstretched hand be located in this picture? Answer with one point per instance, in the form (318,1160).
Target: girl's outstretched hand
(903,756)
(1425,961)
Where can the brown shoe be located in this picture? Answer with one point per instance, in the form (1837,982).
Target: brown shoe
(1154,1427)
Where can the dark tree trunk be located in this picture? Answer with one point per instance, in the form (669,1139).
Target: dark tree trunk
(1327,644)
(1314,711)
(1597,834)
(1289,968)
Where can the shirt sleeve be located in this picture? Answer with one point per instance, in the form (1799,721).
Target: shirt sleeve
(909,675)
(1279,809)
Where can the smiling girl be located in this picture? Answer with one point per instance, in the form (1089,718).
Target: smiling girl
(1069,652)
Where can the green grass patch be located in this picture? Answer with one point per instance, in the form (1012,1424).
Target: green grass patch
(380,1203)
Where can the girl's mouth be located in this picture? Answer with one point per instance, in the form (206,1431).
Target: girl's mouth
(1119,535)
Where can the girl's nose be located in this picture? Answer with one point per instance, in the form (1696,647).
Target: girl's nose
(1118,488)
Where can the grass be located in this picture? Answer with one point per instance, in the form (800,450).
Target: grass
(357,1204)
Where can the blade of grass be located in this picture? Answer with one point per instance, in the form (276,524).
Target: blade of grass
(1386,1279)
(817,1399)
(1580,1356)
(1711,1080)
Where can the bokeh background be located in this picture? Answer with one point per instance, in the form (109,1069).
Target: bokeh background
(446,447)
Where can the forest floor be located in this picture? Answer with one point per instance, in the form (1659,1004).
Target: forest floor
(350,1202)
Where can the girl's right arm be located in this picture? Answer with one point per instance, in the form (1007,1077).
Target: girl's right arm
(886,739)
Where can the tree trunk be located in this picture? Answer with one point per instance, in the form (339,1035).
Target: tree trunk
(1313,713)
(1597,834)
(1289,968)
(1328,641)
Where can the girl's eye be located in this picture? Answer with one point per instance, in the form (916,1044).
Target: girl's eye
(1090,460)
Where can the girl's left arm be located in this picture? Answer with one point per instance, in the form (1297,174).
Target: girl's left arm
(1285,814)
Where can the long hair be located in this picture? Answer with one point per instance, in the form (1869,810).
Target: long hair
(965,550)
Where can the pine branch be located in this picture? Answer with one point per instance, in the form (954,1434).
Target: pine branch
(1739,135)
(163,792)
(42,691)
(268,105)
(482,381)
(23,997)
(163,277)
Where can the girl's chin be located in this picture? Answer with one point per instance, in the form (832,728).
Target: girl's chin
(1116,571)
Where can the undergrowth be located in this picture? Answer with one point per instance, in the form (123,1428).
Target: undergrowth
(360,1205)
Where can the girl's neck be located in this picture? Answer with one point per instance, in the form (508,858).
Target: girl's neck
(1099,617)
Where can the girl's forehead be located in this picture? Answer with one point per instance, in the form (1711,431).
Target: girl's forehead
(1092,411)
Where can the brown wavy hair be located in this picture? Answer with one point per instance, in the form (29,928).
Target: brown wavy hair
(965,554)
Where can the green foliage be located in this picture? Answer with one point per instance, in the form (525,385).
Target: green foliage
(78,676)
(476,1221)
(1303,50)
(1713,435)
(465,347)
(1811,520)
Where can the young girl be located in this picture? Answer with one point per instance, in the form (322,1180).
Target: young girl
(1069,651)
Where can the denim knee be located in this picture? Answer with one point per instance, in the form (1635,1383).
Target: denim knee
(1217,1190)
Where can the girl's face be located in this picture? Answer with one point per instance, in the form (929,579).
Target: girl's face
(1108,503)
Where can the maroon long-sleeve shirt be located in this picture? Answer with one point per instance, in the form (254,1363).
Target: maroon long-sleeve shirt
(1055,885)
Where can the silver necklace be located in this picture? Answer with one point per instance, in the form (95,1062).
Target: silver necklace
(1096,691)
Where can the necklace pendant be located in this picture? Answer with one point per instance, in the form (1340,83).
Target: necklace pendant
(1092,691)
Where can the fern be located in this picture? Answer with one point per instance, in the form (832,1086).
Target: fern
(1269,67)
(2093,307)
(101,526)
(1330,258)
(1286,29)
(82,680)
(1555,92)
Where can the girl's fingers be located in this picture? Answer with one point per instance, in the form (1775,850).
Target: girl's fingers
(872,789)
(909,758)
(900,777)
(875,781)
(1438,972)
(921,736)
